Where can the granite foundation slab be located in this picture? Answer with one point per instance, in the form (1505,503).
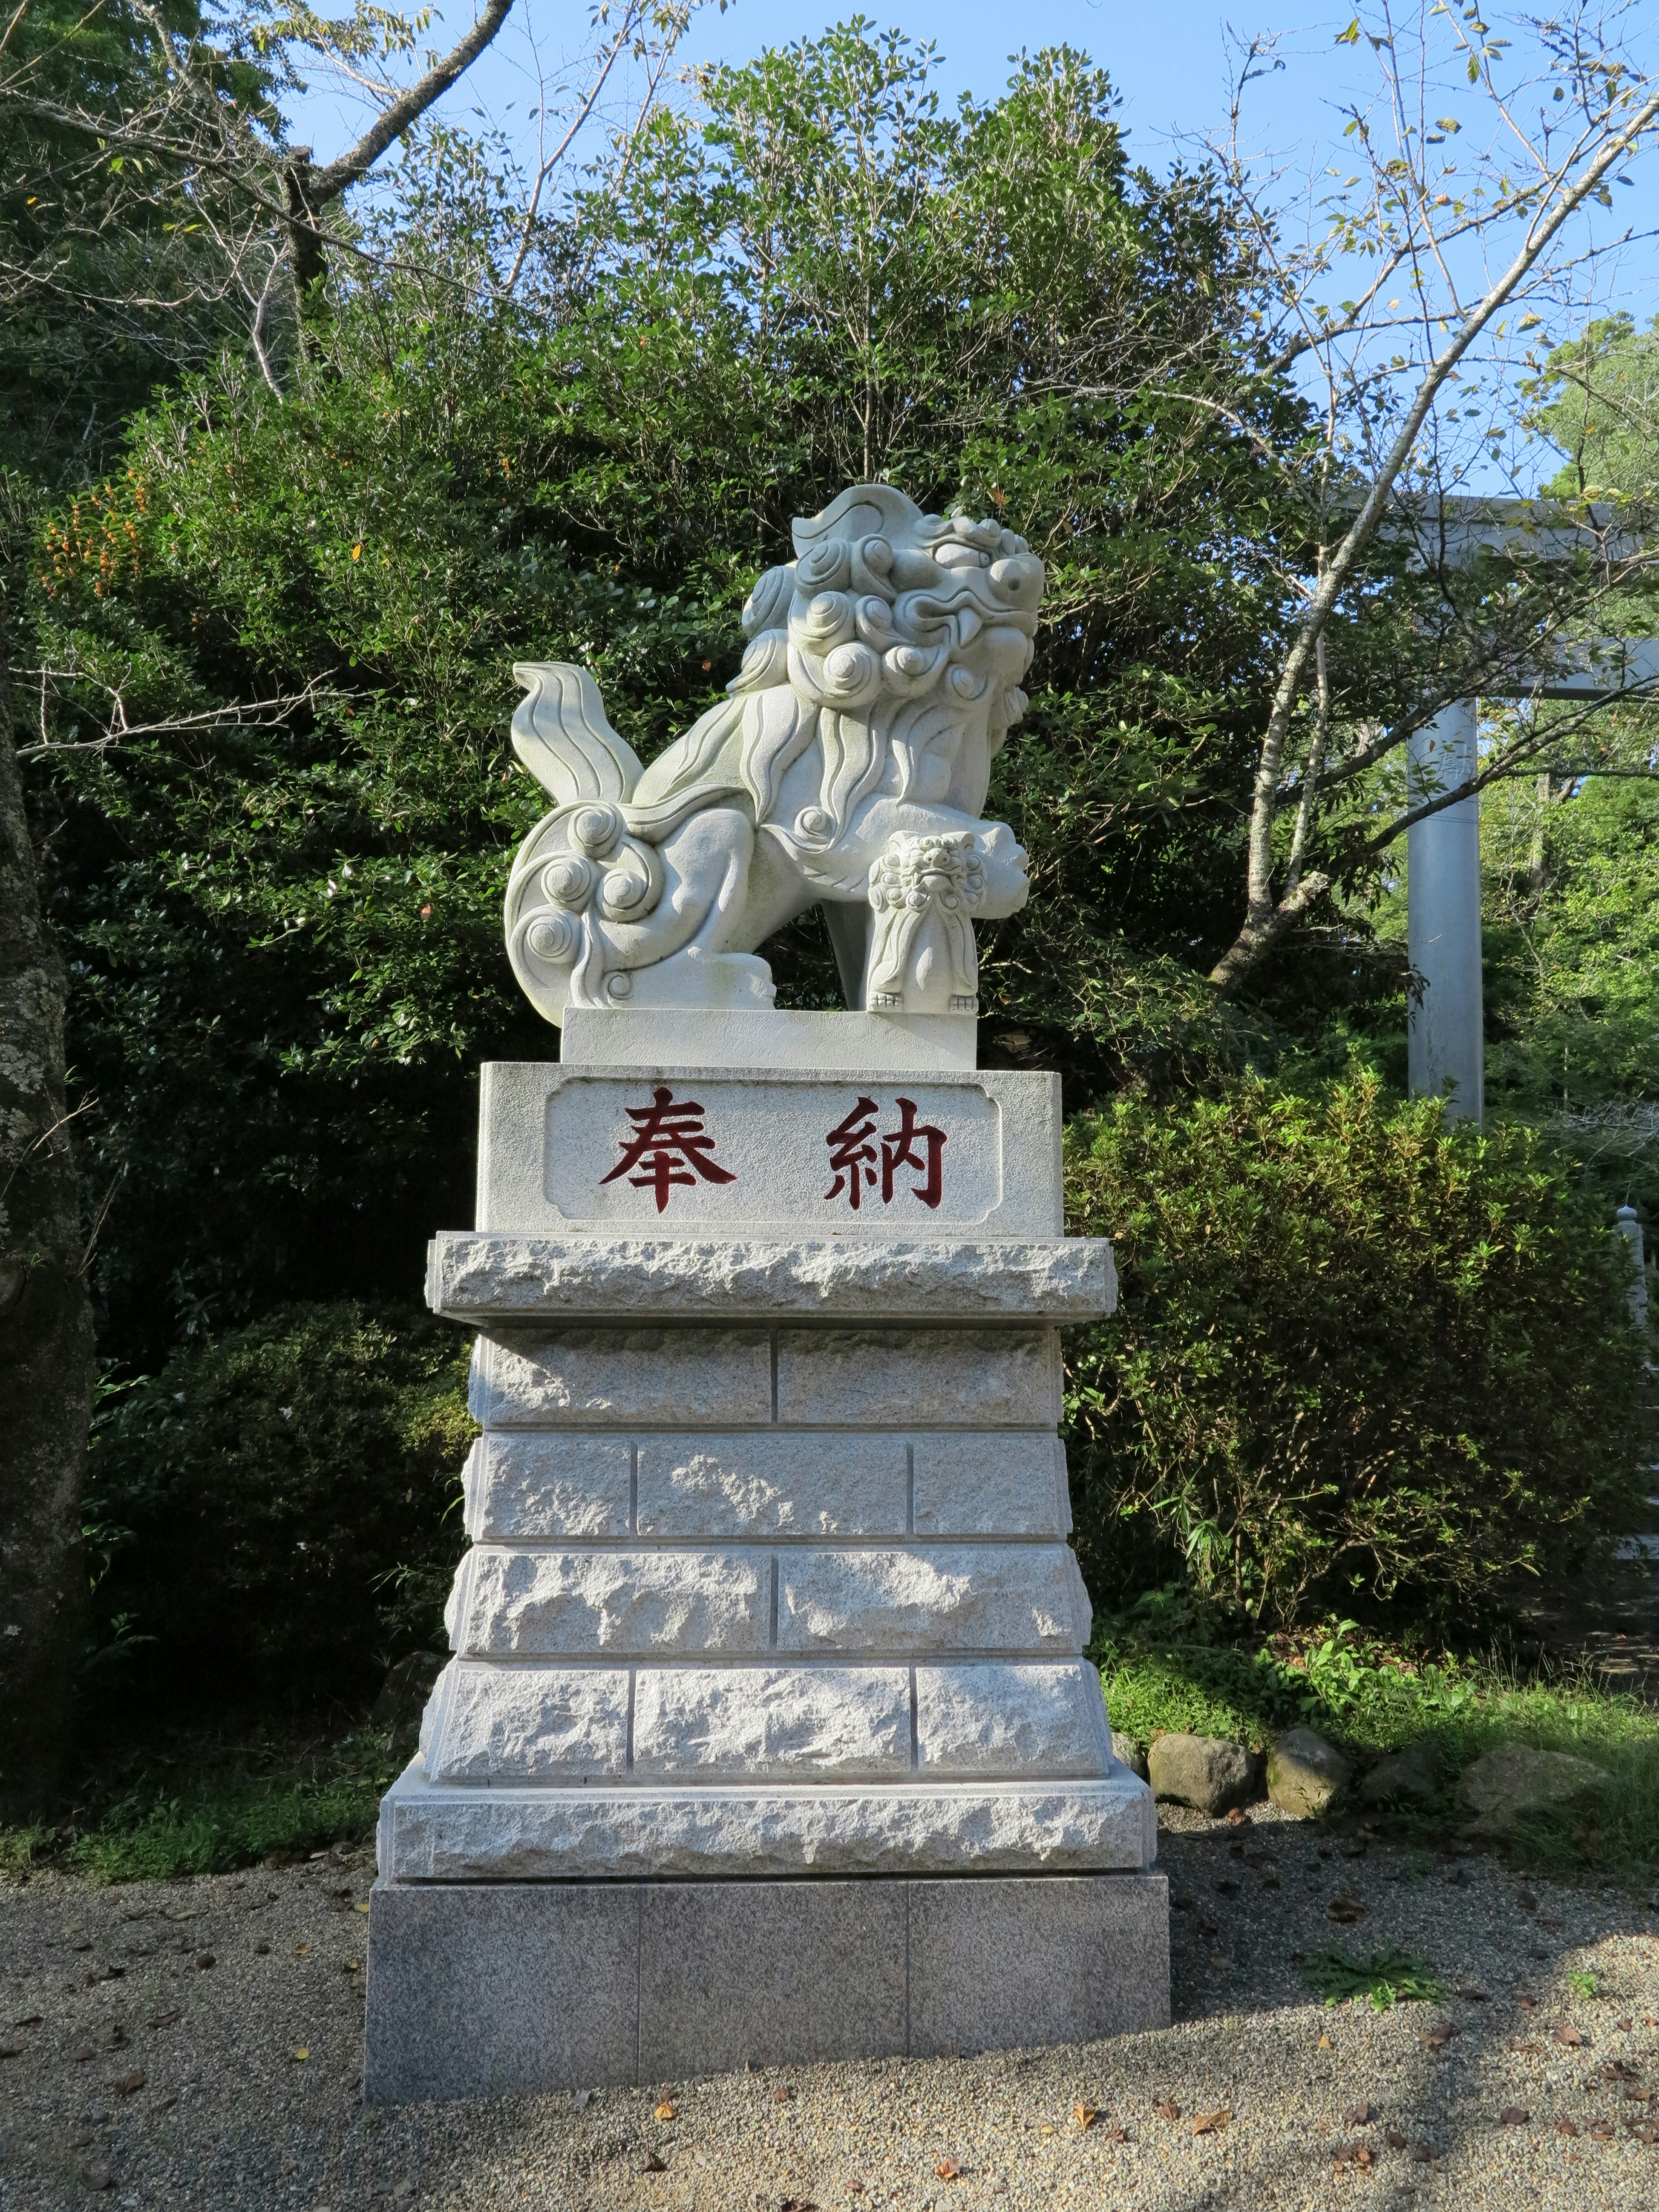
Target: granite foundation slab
(509,1833)
(510,1988)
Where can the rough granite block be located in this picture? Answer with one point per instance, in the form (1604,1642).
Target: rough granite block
(529,1723)
(1047,1960)
(504,1281)
(763,1486)
(994,1486)
(769,1974)
(611,1375)
(895,1378)
(534,1484)
(827,1723)
(985,1718)
(644,1604)
(715,1829)
(933,1598)
(489,1991)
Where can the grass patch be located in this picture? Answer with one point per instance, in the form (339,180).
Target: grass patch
(1385,1978)
(1371,1699)
(240,1805)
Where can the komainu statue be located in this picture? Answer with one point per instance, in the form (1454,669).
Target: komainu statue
(848,767)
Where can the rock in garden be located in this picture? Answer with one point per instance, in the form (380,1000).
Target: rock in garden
(1514,1779)
(1129,1754)
(1204,1771)
(1304,1773)
(1401,1778)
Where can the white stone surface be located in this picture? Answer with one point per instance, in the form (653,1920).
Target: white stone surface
(834,1723)
(985,1718)
(991,1486)
(624,1603)
(614,1375)
(537,1485)
(773,1485)
(433,1834)
(892,1378)
(933,1598)
(518,1280)
(553,1137)
(532,1723)
(881,678)
(776,1040)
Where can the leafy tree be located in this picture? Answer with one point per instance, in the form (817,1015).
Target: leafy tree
(274,756)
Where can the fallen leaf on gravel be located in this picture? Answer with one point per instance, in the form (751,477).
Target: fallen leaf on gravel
(1166,2108)
(165,2019)
(129,2085)
(1238,1817)
(1324,2042)
(1572,2036)
(948,2169)
(1526,2003)
(1625,2026)
(1085,2115)
(1520,2043)
(782,2093)
(1359,2116)
(81,2052)
(1475,1995)
(1601,2135)
(1117,2135)
(1617,2070)
(1565,2127)
(300,2056)
(301,1950)
(351,1965)
(1351,2155)
(1395,2140)
(654,2163)
(1435,2038)
(97,2177)
(665,2111)
(1513,2116)
(1206,2124)
(1345,1911)
(360,1908)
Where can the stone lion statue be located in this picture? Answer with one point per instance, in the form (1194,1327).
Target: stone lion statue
(848,767)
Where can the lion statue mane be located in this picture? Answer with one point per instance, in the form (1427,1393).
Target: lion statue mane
(847,766)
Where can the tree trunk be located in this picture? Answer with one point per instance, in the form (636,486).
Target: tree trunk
(46,1329)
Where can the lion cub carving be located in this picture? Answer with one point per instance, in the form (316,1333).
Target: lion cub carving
(848,767)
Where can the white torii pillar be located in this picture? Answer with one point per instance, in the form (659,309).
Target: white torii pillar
(1446,1054)
(1445,1035)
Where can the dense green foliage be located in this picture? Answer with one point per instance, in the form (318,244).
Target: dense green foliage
(275,1514)
(1363,1358)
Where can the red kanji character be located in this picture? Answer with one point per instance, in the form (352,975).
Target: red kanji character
(899,1150)
(669,1136)
(852,1156)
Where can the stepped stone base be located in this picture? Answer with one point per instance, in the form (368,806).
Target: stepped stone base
(482,1989)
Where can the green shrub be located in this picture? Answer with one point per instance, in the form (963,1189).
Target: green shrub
(1364,1359)
(276,1511)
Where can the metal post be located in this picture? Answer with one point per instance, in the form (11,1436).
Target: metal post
(1446,1054)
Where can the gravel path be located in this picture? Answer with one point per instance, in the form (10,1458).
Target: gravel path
(198,2044)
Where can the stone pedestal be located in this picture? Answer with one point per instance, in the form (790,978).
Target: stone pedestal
(768,1734)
